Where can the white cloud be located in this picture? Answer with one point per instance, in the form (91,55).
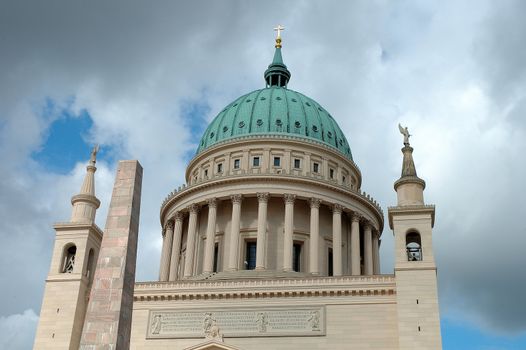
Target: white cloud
(16,330)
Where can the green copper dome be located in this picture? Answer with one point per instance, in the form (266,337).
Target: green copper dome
(275,111)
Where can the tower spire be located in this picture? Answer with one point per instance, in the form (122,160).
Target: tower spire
(277,73)
(409,187)
(85,203)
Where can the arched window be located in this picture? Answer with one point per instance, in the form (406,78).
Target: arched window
(69,258)
(90,268)
(413,246)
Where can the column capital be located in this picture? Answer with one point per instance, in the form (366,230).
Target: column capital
(169,225)
(289,198)
(315,202)
(367,225)
(262,197)
(178,216)
(212,202)
(236,198)
(337,208)
(356,217)
(193,208)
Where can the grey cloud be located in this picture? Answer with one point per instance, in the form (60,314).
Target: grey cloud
(133,66)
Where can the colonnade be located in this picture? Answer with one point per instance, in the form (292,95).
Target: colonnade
(173,231)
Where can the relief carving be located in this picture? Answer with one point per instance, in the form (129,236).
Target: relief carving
(157,323)
(262,321)
(314,320)
(210,327)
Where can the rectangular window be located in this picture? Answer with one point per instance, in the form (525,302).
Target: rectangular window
(296,257)
(216,256)
(220,167)
(206,172)
(297,163)
(329,262)
(277,161)
(343,179)
(316,167)
(237,163)
(250,256)
(331,173)
(255,161)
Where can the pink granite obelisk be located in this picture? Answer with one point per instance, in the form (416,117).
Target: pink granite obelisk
(109,314)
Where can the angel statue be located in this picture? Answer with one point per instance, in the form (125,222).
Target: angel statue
(406,134)
(94,154)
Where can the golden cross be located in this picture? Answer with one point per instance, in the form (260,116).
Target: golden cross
(278,29)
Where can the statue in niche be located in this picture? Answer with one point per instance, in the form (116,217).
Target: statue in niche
(156,324)
(314,320)
(262,321)
(406,134)
(210,327)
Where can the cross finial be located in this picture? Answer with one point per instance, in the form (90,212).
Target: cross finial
(278,29)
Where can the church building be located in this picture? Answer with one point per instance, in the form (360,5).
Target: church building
(272,243)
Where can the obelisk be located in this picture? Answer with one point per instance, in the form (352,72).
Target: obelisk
(109,314)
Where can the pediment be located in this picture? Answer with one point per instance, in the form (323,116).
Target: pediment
(212,345)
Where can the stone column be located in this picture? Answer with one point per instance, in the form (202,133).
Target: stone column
(262,231)
(208,264)
(337,240)
(233,259)
(289,228)
(368,249)
(325,168)
(376,253)
(176,246)
(314,243)
(355,245)
(190,240)
(227,166)
(306,165)
(287,161)
(168,234)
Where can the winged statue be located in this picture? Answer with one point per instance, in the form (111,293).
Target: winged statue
(94,154)
(404,132)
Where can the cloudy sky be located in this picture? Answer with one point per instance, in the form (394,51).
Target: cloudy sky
(143,79)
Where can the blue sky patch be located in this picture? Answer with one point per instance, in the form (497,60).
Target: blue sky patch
(457,336)
(195,113)
(65,144)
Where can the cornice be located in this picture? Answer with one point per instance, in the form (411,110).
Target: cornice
(64,226)
(266,288)
(86,198)
(411,210)
(184,190)
(409,180)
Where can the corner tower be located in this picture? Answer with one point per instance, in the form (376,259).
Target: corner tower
(412,223)
(75,252)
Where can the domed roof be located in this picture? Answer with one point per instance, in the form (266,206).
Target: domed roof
(275,111)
